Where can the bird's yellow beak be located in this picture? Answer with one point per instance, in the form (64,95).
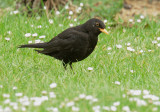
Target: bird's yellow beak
(103,30)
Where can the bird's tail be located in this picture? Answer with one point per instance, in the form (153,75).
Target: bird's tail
(38,45)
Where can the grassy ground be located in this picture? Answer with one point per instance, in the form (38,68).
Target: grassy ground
(33,73)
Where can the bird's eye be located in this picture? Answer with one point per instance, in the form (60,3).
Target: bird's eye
(97,24)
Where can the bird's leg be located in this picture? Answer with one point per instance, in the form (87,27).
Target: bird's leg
(64,65)
(70,64)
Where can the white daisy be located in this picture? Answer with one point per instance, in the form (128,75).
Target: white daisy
(109,48)
(35,34)
(66,7)
(138,20)
(142,17)
(119,46)
(116,103)
(27,34)
(113,108)
(53,85)
(105,21)
(81,4)
(16,12)
(43,36)
(117,82)
(75,109)
(90,68)
(82,96)
(30,42)
(7,38)
(71,25)
(14,88)
(158,38)
(70,12)
(154,42)
(44,8)
(57,12)
(70,104)
(130,20)
(18,94)
(50,21)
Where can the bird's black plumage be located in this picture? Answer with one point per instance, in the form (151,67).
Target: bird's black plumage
(73,44)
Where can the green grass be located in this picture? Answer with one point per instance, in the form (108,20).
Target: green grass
(32,73)
(6,3)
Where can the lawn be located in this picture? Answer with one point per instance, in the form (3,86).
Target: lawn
(125,75)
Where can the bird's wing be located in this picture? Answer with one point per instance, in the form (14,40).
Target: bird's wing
(67,41)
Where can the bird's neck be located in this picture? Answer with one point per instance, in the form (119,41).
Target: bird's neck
(93,39)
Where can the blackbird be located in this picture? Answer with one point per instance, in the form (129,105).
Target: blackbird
(73,44)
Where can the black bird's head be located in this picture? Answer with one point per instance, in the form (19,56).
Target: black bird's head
(95,26)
